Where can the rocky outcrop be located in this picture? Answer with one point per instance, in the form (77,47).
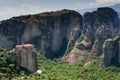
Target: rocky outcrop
(73,37)
(78,52)
(24,55)
(97,27)
(107,26)
(53,33)
(110,51)
(49,31)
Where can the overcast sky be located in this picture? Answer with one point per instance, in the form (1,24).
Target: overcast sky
(10,8)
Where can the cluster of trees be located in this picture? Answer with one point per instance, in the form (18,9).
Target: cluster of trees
(9,69)
(57,70)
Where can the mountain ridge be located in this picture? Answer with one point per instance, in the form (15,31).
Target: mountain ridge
(116,7)
(50,29)
(53,33)
(62,45)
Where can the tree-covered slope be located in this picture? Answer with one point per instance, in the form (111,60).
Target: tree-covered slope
(58,70)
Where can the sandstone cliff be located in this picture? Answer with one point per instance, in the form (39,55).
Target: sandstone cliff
(111,51)
(24,55)
(53,33)
(49,31)
(97,27)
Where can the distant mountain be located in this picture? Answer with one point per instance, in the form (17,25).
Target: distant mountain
(82,11)
(119,14)
(116,7)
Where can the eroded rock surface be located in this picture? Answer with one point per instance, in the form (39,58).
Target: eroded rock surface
(97,27)
(110,51)
(25,56)
(49,31)
(53,33)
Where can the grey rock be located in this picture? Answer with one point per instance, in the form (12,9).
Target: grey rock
(110,51)
(25,56)
(49,32)
(97,27)
(74,35)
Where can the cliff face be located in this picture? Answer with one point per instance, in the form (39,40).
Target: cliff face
(53,33)
(49,31)
(97,27)
(111,51)
(24,55)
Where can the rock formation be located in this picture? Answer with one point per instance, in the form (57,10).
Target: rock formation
(25,56)
(53,33)
(73,37)
(97,27)
(110,51)
(49,31)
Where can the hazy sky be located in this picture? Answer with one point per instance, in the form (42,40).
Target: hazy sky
(10,8)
